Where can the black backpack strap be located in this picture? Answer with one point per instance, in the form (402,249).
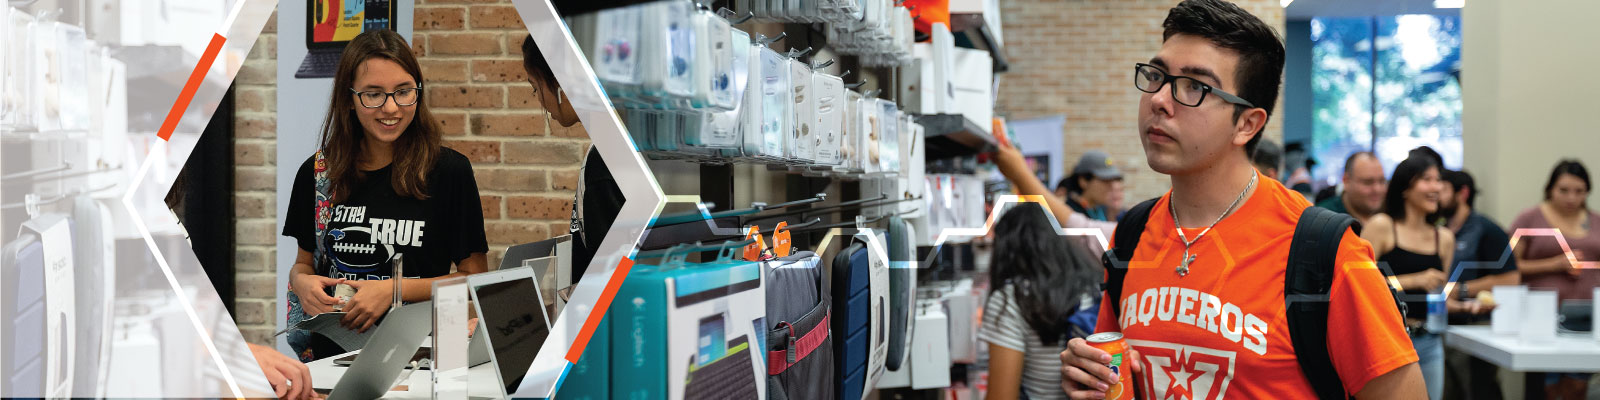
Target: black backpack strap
(1115,260)
(1307,282)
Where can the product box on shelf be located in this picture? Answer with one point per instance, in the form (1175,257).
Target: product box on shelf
(690,331)
(973,81)
(943,59)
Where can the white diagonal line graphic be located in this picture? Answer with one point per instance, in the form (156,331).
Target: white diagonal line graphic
(172,280)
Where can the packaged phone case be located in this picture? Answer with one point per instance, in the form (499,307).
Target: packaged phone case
(714,65)
(802,144)
(776,105)
(614,51)
(828,127)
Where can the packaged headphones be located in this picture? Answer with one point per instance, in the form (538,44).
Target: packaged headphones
(722,128)
(614,49)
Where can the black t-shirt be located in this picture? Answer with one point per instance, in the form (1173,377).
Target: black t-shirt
(599,202)
(374,223)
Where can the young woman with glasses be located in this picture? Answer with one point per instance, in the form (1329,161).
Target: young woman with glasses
(381,185)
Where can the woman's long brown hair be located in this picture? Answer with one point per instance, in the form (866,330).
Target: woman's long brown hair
(343,137)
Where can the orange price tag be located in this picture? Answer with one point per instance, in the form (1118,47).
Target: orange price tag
(780,240)
(753,251)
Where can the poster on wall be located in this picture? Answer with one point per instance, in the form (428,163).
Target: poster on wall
(330,24)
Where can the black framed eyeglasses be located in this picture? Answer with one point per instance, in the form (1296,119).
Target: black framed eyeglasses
(375,99)
(1185,90)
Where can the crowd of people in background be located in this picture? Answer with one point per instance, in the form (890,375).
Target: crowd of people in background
(1422,222)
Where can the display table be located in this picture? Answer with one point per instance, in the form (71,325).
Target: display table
(325,375)
(1569,352)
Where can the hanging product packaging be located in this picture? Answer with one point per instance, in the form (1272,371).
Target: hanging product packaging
(750,112)
(715,64)
(802,144)
(828,127)
(17,107)
(47,75)
(73,82)
(889,123)
(866,122)
(722,129)
(850,146)
(777,103)
(615,50)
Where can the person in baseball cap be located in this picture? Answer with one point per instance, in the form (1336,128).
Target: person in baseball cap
(1094,186)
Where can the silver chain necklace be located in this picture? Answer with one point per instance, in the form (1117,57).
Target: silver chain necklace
(1183,268)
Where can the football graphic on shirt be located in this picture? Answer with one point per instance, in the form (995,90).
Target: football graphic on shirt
(354,247)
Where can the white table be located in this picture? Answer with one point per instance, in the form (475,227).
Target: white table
(325,375)
(1569,352)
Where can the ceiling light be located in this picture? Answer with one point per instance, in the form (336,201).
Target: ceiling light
(1285,3)
(1448,3)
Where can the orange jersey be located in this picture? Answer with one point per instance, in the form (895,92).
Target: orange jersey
(1221,332)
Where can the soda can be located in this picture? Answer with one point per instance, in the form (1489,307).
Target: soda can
(1112,343)
(343,292)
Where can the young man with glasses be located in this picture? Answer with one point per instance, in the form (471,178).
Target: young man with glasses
(1202,301)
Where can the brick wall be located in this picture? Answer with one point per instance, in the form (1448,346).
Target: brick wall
(471,57)
(1076,57)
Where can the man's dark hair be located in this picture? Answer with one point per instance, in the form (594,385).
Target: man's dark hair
(1460,180)
(533,62)
(1069,183)
(1260,70)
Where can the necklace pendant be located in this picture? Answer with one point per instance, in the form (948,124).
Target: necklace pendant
(1183,268)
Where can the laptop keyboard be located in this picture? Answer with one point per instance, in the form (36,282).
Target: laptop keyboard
(319,64)
(730,377)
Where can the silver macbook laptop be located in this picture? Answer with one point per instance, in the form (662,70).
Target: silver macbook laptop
(512,321)
(387,353)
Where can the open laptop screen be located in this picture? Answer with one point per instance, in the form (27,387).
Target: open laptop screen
(514,317)
(331,23)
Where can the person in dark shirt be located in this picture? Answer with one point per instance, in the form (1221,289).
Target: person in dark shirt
(1482,264)
(598,196)
(382,185)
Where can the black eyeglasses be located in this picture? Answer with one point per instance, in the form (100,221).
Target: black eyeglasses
(375,99)
(1185,90)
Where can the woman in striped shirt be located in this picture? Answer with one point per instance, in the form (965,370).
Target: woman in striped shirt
(1043,291)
